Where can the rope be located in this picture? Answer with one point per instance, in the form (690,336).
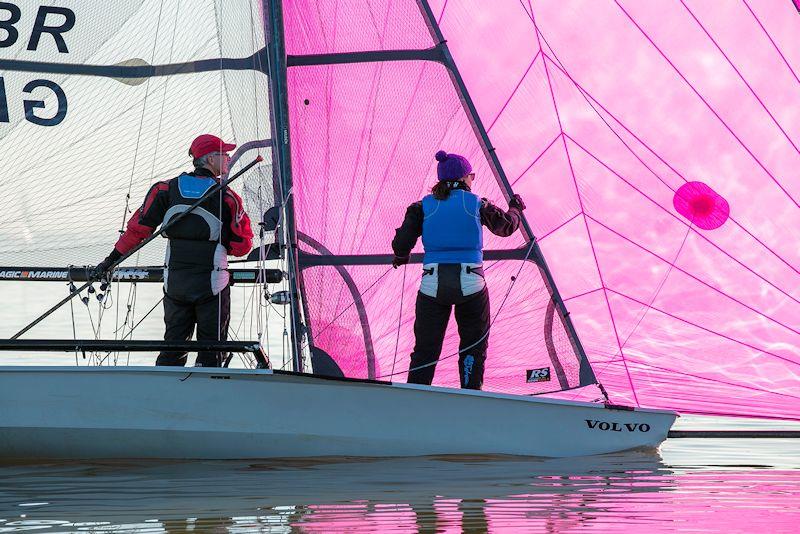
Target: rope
(644,311)
(71,287)
(399,318)
(353,303)
(130,333)
(485,334)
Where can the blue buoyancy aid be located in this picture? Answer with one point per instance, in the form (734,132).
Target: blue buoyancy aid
(451,229)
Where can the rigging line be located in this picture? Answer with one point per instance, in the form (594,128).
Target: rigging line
(141,121)
(166,83)
(354,301)
(72,311)
(133,290)
(485,334)
(243,357)
(132,329)
(247,303)
(268,345)
(130,333)
(400,317)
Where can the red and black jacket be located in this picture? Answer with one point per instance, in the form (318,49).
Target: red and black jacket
(196,259)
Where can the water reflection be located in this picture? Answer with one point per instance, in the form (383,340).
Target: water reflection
(446,494)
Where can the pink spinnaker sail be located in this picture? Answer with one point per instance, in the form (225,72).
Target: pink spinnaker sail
(655,144)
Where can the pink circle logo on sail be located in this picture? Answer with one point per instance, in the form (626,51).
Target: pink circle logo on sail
(703,206)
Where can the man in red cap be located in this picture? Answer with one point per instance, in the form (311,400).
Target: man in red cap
(196,279)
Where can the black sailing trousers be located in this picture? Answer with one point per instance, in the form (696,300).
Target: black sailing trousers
(211,315)
(432,315)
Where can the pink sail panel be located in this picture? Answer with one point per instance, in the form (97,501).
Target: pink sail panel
(603,115)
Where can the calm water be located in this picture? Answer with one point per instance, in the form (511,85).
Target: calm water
(691,485)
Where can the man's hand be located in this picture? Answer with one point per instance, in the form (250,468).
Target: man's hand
(399,260)
(106,264)
(516,202)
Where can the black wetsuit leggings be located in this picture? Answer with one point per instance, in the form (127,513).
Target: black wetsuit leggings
(211,315)
(472,317)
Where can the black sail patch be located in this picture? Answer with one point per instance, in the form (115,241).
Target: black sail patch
(538,375)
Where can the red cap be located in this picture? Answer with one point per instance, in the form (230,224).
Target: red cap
(206,144)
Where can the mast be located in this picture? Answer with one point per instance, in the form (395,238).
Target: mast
(273,15)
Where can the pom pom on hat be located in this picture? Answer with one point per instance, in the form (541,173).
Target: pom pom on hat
(451,167)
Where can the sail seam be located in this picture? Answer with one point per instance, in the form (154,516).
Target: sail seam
(693,277)
(709,330)
(590,98)
(741,77)
(580,201)
(514,91)
(710,107)
(699,234)
(635,362)
(536,160)
(772,41)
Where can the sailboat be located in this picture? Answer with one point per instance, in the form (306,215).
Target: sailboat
(656,271)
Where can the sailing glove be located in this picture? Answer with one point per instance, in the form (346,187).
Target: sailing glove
(399,260)
(106,264)
(516,202)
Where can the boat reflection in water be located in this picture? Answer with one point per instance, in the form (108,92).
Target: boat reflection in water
(432,494)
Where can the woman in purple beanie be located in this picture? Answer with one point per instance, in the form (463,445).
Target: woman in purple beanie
(449,221)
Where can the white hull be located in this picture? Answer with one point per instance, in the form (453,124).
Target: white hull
(148,412)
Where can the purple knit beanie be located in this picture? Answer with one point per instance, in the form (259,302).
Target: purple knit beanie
(451,167)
